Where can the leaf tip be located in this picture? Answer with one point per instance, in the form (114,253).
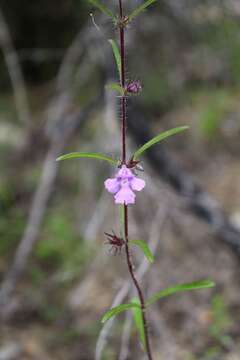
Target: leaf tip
(104,318)
(209,283)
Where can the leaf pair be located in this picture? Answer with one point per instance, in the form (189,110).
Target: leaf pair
(105,10)
(135,306)
(76,155)
(137,154)
(202,284)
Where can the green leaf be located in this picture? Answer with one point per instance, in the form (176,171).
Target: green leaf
(115,87)
(157,139)
(202,284)
(117,310)
(140,8)
(77,155)
(117,57)
(103,8)
(137,315)
(144,247)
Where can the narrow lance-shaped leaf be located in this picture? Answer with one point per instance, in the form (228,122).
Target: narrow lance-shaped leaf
(117,57)
(117,310)
(140,8)
(202,284)
(157,139)
(115,87)
(78,155)
(144,247)
(103,8)
(137,315)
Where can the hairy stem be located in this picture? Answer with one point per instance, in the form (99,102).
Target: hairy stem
(124,128)
(123,98)
(138,288)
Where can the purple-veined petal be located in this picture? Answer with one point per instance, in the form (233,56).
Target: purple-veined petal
(112,185)
(137,184)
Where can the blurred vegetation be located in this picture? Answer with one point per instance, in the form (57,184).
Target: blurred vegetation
(61,248)
(43,25)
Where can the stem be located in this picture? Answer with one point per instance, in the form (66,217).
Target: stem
(123,98)
(124,130)
(138,288)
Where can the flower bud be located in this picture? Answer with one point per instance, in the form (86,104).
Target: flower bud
(134,87)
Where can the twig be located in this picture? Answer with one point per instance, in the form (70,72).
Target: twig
(15,72)
(32,228)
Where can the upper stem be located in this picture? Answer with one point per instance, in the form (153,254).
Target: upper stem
(122,80)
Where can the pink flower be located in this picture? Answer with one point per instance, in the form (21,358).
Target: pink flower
(123,186)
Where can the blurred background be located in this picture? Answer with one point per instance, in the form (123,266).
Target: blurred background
(57,276)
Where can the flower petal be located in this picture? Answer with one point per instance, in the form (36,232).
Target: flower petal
(125,196)
(124,173)
(137,184)
(112,185)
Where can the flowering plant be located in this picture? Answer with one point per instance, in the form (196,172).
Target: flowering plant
(126,181)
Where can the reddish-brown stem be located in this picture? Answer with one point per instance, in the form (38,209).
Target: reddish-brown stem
(138,288)
(123,98)
(124,128)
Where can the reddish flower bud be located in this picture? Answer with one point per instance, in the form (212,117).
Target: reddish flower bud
(132,163)
(134,87)
(115,242)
